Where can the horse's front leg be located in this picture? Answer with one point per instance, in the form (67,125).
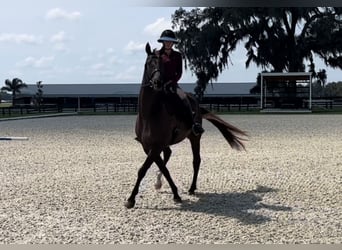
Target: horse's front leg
(160,163)
(195,146)
(141,173)
(167,153)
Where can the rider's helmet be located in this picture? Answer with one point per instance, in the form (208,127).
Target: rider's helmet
(168,36)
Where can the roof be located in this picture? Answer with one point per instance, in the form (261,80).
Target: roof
(129,89)
(299,76)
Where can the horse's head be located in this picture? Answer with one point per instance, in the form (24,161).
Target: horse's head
(152,69)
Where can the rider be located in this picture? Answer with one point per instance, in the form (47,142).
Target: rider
(172,71)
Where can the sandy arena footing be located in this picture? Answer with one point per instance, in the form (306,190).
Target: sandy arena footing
(68,183)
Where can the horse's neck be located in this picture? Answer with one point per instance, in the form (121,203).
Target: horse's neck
(149,102)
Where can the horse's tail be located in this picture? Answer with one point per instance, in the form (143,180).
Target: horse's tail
(232,134)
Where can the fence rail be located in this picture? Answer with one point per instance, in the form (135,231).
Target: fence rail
(133,107)
(29,109)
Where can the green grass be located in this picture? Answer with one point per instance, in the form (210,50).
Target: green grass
(5,105)
(327,111)
(33,115)
(106,113)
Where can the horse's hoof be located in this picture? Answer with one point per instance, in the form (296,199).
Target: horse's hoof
(129,204)
(191,192)
(177,200)
(158,185)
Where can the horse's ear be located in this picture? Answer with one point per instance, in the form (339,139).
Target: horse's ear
(148,49)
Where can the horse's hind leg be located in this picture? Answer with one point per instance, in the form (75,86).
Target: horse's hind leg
(159,161)
(141,173)
(167,153)
(195,146)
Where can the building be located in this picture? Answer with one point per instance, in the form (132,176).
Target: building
(69,95)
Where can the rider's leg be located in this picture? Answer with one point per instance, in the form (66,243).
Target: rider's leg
(191,116)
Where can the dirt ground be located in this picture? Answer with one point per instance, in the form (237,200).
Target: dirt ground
(68,183)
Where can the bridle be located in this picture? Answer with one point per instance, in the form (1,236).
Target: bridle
(152,83)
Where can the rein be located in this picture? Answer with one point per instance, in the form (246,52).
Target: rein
(150,83)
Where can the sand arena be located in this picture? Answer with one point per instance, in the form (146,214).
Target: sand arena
(68,182)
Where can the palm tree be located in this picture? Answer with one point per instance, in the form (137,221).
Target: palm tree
(38,97)
(15,87)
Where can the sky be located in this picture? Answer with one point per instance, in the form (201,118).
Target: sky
(88,41)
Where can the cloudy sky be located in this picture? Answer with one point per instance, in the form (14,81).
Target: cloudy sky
(87,41)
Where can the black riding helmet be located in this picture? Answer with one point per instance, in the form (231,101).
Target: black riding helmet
(168,36)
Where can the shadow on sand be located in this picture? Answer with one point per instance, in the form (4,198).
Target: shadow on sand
(241,206)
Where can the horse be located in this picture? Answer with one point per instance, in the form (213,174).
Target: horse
(157,128)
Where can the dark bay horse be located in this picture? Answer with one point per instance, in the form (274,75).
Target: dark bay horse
(157,128)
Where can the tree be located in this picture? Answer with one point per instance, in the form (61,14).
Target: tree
(321,80)
(333,89)
(14,87)
(38,97)
(275,39)
(322,77)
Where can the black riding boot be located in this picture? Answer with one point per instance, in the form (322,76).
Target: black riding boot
(197,129)
(190,118)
